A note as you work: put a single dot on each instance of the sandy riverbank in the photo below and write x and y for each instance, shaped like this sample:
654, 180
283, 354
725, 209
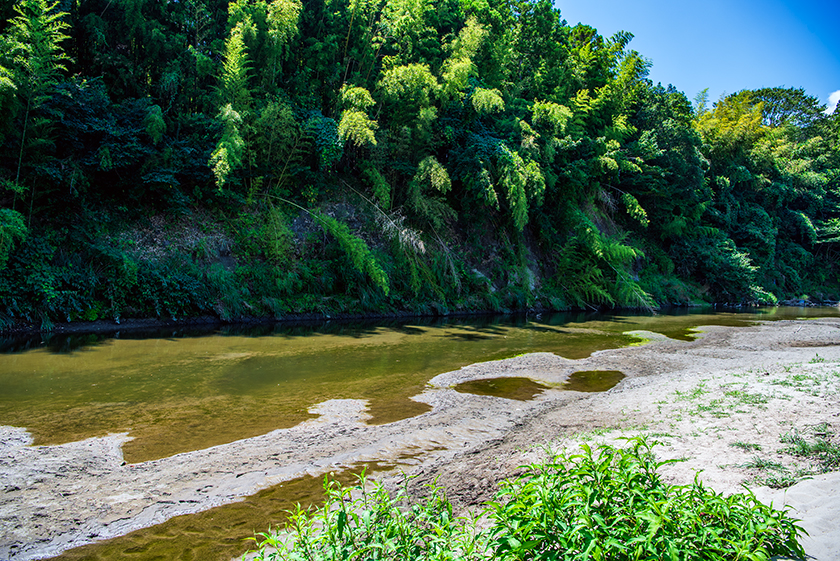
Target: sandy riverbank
733, 385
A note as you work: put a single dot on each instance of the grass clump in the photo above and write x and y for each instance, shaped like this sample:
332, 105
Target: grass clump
748, 398
606, 503
746, 446
819, 449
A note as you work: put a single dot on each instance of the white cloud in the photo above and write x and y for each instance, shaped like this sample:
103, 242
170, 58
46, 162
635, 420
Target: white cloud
833, 99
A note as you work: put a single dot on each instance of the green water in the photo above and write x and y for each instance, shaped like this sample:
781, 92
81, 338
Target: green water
217, 534
522, 389
593, 380
183, 393
186, 393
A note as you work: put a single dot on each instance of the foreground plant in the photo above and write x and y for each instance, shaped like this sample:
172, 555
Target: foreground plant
612, 504
604, 504
373, 526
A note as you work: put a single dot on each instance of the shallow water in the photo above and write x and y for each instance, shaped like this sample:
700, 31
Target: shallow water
593, 380
522, 389
220, 533
179, 393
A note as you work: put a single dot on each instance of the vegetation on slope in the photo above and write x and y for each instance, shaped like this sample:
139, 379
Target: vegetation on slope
255, 158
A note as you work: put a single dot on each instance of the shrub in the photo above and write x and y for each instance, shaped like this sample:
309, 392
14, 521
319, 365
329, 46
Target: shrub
605, 504
612, 504
373, 527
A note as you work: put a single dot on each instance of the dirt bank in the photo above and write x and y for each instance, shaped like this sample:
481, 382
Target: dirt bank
733, 385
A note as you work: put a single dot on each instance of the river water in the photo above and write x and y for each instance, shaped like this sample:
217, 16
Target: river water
179, 391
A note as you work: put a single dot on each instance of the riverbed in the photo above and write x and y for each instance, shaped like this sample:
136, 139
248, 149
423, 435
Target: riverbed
74, 491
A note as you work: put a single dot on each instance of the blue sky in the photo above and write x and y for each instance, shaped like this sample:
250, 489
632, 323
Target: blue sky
726, 46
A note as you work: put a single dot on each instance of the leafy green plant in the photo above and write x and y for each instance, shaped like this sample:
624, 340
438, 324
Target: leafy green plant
611, 503
373, 526
607, 503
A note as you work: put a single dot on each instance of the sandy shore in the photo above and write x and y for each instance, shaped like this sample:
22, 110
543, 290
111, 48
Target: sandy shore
732, 386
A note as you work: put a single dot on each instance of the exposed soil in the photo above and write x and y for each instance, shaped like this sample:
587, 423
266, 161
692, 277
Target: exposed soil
732, 385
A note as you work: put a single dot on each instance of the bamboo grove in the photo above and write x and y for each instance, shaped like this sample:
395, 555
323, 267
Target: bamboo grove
259, 158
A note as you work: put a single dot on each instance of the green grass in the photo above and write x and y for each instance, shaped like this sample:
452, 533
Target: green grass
695, 393
746, 446
760, 463
748, 398
777, 481
819, 449
602, 503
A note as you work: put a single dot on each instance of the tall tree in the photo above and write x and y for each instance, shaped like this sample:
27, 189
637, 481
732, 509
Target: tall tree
36, 58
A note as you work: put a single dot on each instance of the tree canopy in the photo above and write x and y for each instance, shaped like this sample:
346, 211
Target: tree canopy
461, 154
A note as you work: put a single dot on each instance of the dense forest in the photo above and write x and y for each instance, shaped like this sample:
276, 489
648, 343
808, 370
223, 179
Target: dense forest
254, 158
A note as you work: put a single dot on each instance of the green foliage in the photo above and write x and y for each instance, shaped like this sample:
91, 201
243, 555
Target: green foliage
326, 134
283, 18
227, 156
552, 115
12, 230
154, 124
356, 98
459, 67
356, 127
469, 123
487, 101
610, 503
373, 526
356, 250
379, 186
634, 209
431, 174
32, 50
233, 82
279, 144
413, 82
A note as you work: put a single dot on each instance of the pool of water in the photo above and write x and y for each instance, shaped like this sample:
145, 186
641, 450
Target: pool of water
593, 380
522, 389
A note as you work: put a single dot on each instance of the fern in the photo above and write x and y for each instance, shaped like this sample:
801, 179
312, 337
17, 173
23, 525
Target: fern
12, 230
430, 173
379, 186
356, 250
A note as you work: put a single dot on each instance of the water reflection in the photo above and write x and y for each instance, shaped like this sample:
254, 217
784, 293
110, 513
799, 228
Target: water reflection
521, 389
593, 380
